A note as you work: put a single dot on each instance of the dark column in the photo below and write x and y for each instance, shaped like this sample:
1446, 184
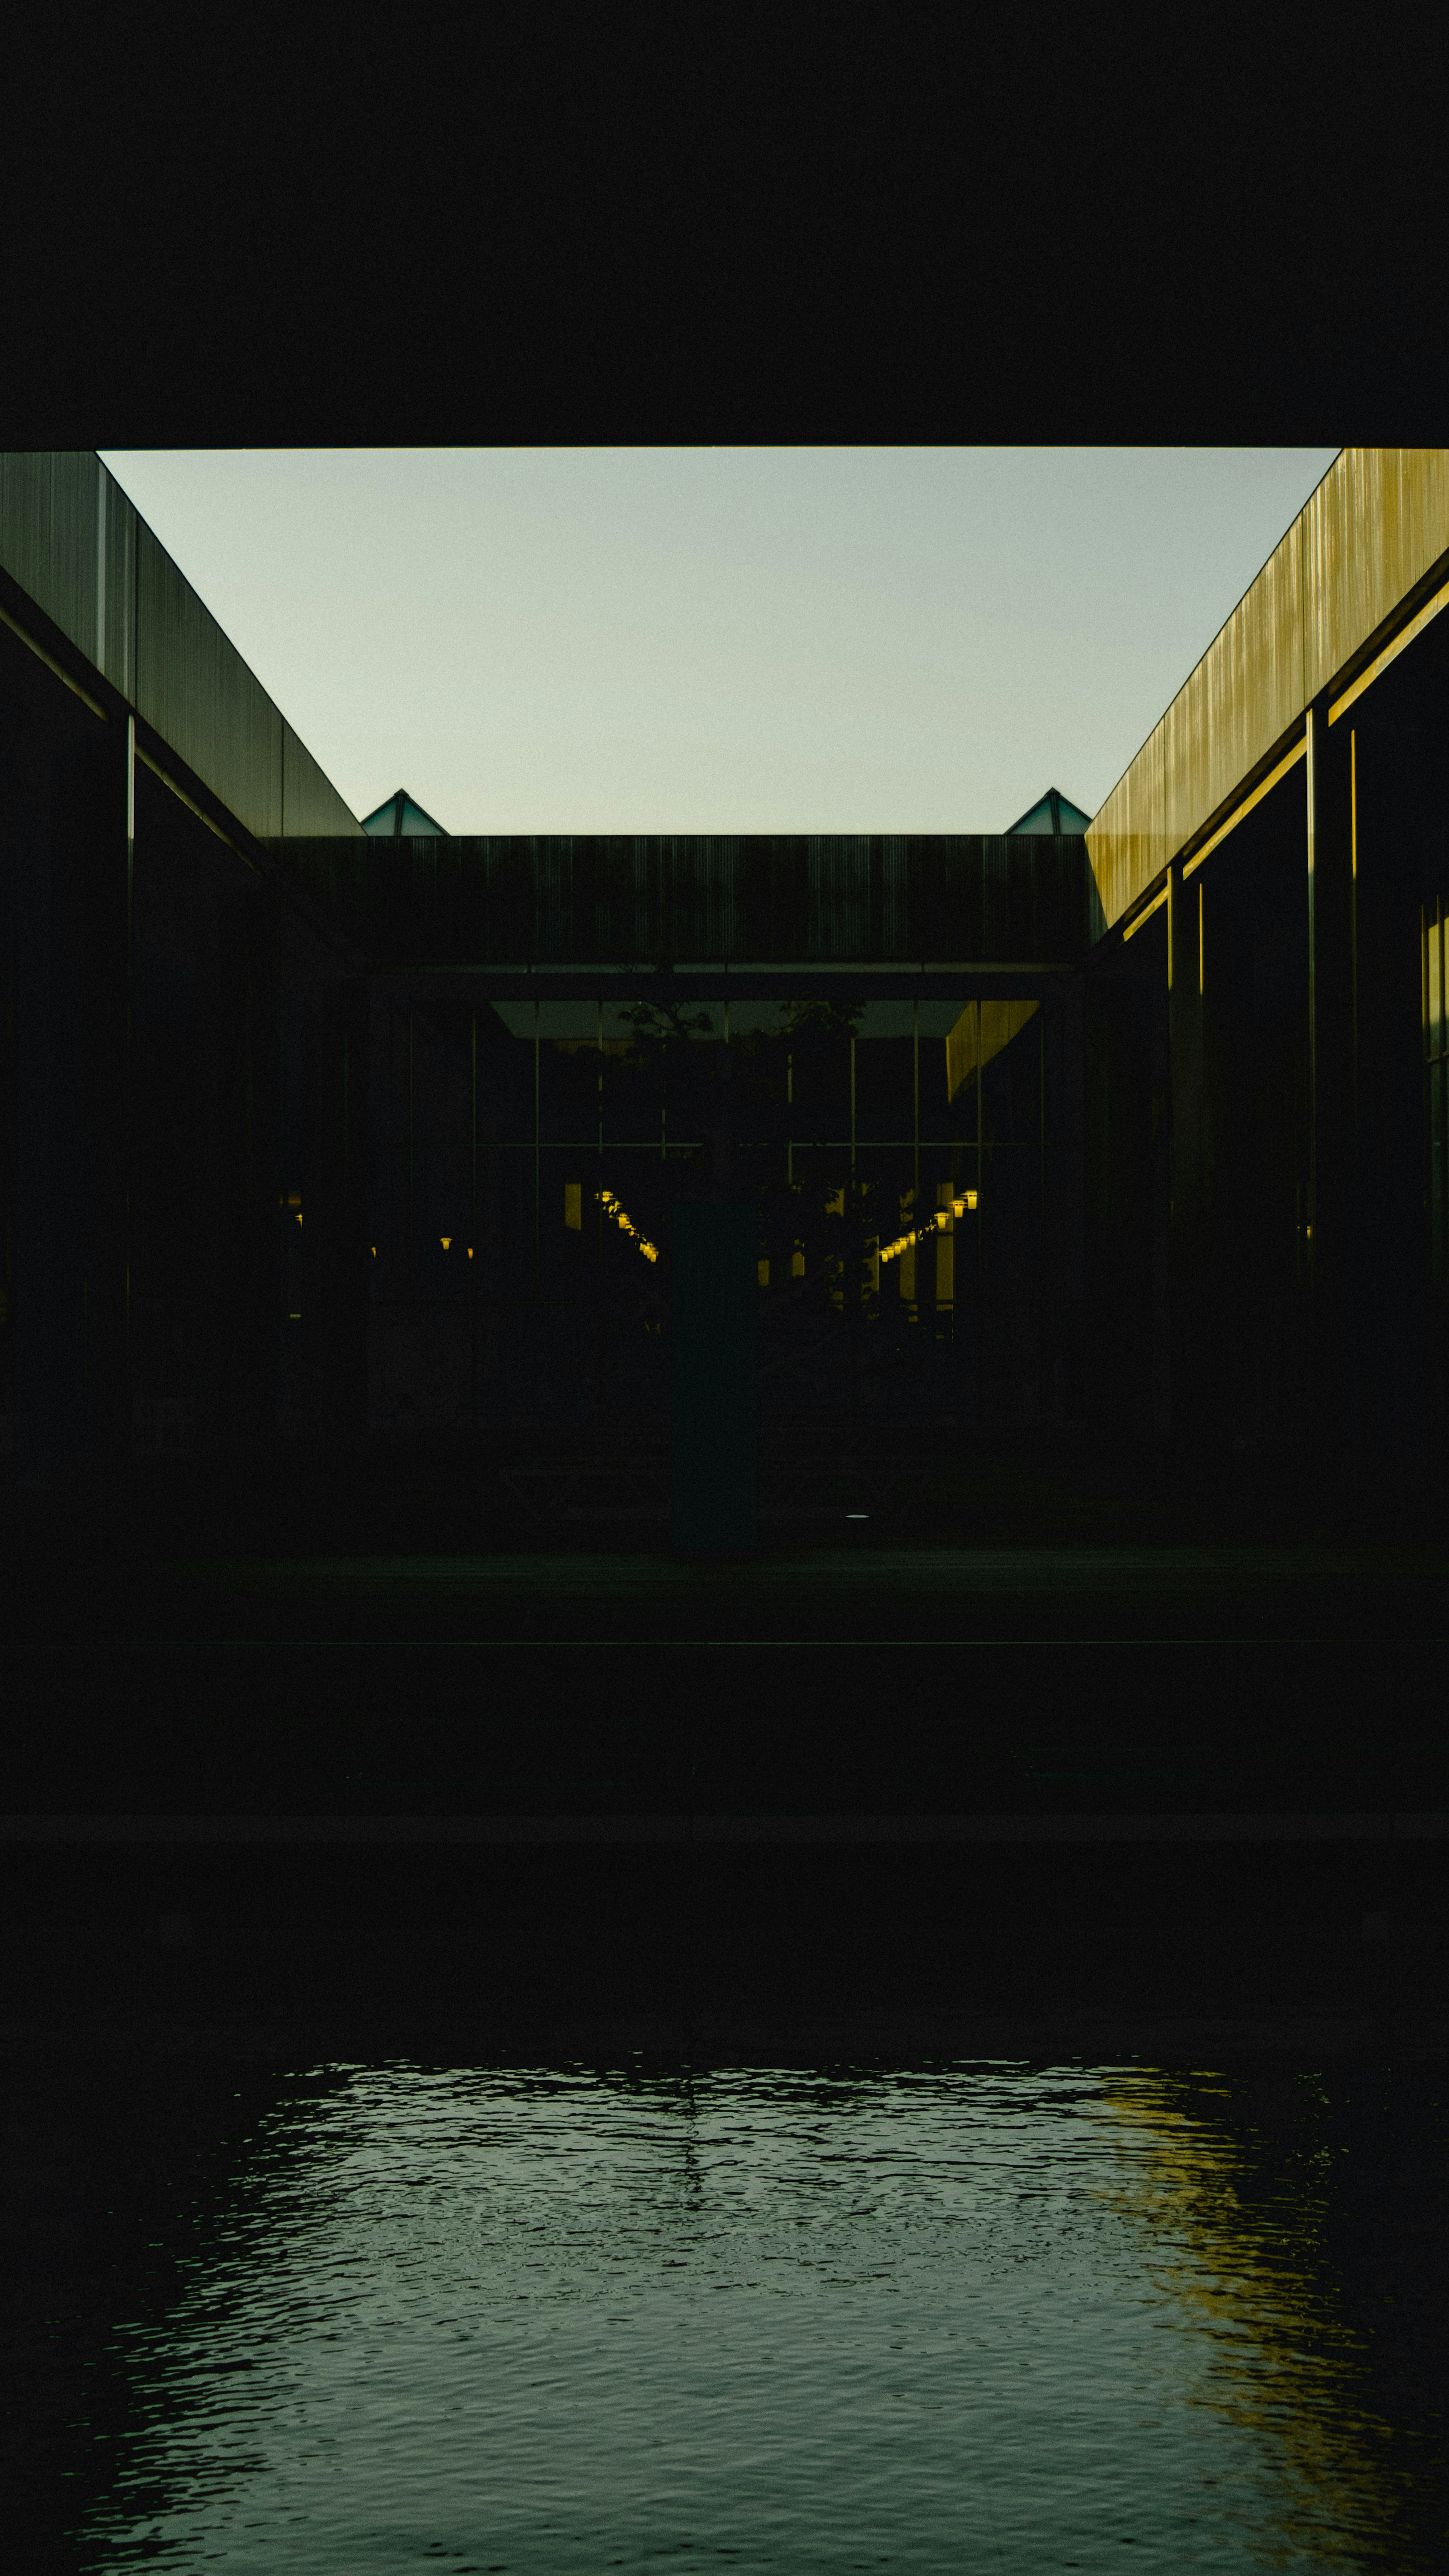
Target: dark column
1191, 1375
1330, 1217
713, 1326
1159, 1210
51, 1172
1396, 729
259, 1299
1230, 1283
244, 1293
983, 1211
1119, 1112
1068, 1193
66, 789
337, 1251
106, 819
323, 1079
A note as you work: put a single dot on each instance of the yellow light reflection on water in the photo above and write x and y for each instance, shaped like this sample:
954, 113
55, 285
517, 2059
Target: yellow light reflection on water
977, 2315
1247, 2265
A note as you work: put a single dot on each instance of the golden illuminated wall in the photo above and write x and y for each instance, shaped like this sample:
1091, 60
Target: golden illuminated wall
1378, 522
997, 1022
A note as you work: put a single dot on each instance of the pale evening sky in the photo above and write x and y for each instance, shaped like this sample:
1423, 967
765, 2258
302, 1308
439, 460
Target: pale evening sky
721, 639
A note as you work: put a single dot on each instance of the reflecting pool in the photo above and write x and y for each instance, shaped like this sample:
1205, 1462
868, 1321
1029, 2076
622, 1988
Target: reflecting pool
982, 2317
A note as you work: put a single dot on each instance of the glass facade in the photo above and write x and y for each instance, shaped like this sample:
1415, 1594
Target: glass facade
526, 1157
1436, 1074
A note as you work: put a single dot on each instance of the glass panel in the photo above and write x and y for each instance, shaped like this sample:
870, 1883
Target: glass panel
945, 1244
1437, 1142
442, 1221
829, 1117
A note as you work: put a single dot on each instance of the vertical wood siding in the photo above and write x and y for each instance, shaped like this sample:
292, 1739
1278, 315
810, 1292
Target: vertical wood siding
1377, 525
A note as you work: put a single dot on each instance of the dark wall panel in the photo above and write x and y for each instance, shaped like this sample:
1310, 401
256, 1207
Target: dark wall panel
310, 803
49, 536
197, 692
698, 899
73, 542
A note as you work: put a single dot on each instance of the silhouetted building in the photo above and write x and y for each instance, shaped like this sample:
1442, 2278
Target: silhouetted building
332, 1130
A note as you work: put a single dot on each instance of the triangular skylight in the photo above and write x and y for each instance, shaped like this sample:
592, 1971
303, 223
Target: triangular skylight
1054, 813
401, 818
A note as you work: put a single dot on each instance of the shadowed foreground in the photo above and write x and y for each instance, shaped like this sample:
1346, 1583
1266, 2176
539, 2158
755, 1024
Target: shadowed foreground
363, 1779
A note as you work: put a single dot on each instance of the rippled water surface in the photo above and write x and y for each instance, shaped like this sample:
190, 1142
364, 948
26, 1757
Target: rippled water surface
981, 2318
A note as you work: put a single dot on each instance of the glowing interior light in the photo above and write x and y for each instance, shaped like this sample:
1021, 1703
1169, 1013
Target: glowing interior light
933, 1225
374, 1252
612, 1208
445, 1240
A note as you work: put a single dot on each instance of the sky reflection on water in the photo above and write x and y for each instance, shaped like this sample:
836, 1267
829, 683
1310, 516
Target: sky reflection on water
984, 2317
